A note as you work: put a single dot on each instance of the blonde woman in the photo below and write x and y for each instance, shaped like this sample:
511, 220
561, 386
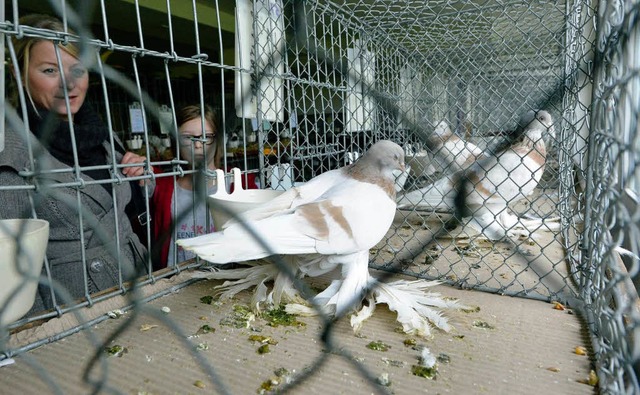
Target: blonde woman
82, 241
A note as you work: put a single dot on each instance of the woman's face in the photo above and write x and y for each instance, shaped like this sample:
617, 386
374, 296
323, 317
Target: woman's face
45, 79
192, 142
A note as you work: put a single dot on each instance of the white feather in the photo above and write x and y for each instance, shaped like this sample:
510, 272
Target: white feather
359, 317
427, 359
414, 306
257, 275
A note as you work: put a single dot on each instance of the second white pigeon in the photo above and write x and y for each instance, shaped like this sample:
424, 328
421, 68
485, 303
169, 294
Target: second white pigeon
494, 182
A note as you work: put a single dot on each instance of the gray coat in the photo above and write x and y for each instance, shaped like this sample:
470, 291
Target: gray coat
69, 239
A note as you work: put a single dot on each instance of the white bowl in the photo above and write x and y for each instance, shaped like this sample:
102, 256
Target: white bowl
23, 243
237, 202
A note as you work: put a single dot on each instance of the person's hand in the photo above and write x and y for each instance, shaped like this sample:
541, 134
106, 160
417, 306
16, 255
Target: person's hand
133, 171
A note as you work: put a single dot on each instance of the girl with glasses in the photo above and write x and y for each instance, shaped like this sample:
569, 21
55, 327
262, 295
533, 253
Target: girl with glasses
179, 208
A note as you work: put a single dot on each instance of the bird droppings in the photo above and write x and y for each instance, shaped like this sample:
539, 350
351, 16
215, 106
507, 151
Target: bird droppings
426, 358
393, 362
474, 309
383, 379
378, 346
409, 342
240, 317
165, 309
430, 258
205, 329
116, 350
115, 314
443, 358
263, 339
482, 325
202, 347
282, 372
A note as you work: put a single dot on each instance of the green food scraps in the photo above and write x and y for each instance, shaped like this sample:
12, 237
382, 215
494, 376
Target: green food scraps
423, 371
206, 299
378, 346
268, 385
277, 317
239, 318
199, 384
264, 349
263, 339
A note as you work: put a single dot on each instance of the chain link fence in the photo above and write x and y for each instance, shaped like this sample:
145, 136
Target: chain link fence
303, 87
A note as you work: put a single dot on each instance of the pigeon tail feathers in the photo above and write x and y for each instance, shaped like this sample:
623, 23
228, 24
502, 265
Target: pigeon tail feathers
237, 244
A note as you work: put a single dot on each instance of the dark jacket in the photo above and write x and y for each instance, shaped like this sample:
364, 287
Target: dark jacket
71, 234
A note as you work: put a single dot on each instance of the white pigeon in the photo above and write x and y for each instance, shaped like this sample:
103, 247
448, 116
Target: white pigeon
495, 181
340, 212
328, 223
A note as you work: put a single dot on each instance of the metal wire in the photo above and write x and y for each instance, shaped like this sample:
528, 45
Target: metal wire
327, 79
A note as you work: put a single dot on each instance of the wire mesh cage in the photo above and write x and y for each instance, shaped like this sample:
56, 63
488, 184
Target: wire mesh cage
518, 124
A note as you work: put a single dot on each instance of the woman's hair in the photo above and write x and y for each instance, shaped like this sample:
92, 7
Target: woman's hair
23, 45
190, 112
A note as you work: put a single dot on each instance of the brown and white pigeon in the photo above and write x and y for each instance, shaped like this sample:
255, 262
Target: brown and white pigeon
340, 212
452, 153
327, 223
334, 219
494, 182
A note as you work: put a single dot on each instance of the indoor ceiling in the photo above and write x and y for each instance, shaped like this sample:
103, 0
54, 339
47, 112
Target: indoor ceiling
122, 24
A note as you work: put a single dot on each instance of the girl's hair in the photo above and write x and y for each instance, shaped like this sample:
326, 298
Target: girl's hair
190, 112
23, 45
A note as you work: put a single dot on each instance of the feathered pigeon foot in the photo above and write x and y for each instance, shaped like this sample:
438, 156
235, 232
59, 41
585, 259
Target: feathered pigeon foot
417, 310
257, 274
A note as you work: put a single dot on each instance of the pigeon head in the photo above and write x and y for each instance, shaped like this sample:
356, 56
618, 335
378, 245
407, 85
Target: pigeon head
386, 156
537, 124
442, 129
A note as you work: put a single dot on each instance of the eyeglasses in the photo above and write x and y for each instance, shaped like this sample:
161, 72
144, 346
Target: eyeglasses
207, 139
